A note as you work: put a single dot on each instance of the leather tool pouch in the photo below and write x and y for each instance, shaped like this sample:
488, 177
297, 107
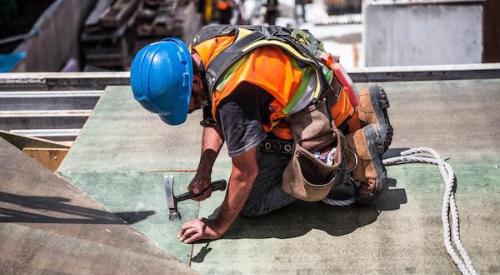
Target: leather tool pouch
306, 177
312, 127
309, 179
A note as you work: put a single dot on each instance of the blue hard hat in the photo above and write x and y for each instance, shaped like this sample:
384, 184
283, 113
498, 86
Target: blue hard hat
161, 77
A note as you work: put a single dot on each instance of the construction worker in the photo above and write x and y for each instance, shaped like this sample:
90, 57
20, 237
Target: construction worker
274, 96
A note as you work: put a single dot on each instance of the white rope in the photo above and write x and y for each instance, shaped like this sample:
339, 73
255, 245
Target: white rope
333, 202
451, 232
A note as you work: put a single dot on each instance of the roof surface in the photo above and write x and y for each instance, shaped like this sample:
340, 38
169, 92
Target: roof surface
123, 152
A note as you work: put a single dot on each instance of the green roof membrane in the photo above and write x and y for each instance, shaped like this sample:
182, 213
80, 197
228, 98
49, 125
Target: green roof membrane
401, 233
122, 136
121, 157
123, 152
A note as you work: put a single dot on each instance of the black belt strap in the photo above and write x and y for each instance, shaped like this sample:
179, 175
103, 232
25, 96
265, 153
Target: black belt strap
276, 146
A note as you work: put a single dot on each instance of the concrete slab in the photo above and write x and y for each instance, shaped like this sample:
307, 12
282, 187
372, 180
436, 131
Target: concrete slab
49, 226
429, 32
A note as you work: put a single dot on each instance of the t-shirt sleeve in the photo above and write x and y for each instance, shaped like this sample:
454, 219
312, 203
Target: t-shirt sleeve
241, 116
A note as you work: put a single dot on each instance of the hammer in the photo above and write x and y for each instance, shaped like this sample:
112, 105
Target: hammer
172, 200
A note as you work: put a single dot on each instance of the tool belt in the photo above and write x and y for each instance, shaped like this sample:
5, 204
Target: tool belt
306, 177
276, 146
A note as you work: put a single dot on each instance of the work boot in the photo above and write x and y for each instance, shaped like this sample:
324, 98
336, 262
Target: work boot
365, 163
372, 110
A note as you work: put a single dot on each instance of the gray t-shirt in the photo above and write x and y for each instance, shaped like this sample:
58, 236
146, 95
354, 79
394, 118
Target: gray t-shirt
241, 116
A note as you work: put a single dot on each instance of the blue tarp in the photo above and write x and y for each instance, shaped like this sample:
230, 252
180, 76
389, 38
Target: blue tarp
9, 61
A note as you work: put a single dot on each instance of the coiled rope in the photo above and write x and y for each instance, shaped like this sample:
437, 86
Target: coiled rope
451, 232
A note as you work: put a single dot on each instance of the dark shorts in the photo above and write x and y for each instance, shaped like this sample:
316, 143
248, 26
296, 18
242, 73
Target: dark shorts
266, 194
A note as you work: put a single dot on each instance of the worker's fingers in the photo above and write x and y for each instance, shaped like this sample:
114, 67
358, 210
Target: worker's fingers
196, 189
181, 232
188, 224
193, 238
199, 186
188, 233
184, 227
206, 193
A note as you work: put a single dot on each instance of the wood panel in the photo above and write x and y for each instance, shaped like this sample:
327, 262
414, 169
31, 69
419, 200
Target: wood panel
48, 157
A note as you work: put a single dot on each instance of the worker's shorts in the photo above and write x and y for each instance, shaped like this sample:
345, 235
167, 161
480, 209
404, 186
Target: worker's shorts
266, 194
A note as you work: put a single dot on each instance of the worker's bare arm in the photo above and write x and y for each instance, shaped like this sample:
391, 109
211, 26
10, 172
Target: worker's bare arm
212, 141
243, 174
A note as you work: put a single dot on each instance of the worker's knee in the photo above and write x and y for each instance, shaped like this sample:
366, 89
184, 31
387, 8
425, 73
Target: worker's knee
253, 210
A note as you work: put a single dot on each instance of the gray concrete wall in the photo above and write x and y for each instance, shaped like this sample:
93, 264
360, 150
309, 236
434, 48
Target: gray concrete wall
57, 36
423, 33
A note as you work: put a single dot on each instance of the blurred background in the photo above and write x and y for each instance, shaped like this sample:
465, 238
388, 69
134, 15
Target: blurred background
104, 35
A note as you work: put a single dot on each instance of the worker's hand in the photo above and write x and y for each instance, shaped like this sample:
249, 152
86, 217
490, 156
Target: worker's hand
199, 229
200, 185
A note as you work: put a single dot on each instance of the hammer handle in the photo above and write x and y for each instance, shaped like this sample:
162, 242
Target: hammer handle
215, 185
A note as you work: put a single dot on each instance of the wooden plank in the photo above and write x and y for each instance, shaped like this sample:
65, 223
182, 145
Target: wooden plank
48, 157
21, 141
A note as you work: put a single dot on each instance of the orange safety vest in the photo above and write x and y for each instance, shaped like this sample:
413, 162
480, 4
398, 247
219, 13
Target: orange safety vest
273, 70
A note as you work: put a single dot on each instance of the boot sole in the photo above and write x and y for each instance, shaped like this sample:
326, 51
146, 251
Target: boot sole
373, 146
377, 94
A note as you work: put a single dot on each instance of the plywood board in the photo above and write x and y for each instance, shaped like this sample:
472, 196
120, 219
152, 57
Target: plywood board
21, 141
48, 157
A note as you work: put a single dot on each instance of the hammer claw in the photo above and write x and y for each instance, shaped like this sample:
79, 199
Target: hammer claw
172, 199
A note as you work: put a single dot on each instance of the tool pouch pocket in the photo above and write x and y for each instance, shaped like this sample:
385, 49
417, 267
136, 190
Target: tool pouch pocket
310, 179
312, 127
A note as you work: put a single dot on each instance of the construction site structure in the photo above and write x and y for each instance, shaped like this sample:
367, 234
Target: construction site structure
337, 7
115, 30
56, 106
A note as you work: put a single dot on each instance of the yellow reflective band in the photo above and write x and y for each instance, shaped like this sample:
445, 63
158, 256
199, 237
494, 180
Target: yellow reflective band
242, 33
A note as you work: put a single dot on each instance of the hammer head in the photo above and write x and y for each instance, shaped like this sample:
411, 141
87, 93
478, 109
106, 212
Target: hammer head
171, 200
